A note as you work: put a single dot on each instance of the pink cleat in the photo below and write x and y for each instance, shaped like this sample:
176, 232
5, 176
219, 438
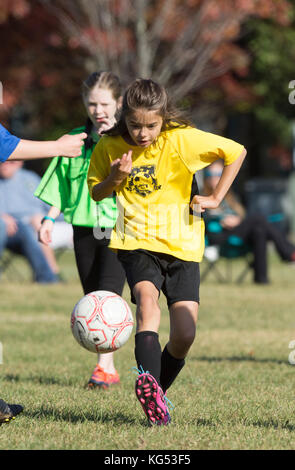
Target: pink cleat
152, 399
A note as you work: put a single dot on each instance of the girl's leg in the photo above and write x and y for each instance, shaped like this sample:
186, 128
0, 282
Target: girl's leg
106, 361
85, 250
98, 266
148, 354
183, 320
147, 347
99, 269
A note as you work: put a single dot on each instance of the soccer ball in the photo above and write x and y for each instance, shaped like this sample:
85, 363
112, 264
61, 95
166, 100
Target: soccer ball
101, 321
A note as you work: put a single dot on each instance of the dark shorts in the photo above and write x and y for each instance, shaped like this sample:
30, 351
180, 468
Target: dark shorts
178, 280
98, 266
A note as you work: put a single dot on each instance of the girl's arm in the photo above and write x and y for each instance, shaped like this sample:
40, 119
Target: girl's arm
45, 231
120, 169
67, 146
228, 175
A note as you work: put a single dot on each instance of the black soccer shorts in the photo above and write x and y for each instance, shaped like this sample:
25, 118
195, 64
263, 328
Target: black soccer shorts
179, 280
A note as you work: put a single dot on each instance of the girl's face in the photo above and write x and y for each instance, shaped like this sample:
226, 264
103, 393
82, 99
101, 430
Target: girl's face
101, 107
144, 126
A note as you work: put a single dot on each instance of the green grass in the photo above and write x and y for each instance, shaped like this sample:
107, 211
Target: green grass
236, 391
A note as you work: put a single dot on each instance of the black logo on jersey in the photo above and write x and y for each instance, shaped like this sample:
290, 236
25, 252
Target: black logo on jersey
142, 180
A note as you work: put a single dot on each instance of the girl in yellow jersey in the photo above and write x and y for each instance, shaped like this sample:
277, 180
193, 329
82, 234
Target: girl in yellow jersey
149, 158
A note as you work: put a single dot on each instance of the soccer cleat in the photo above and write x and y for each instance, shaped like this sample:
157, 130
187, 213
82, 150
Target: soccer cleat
102, 379
152, 399
8, 412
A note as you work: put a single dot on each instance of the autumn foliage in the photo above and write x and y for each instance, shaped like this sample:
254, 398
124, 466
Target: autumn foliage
50, 46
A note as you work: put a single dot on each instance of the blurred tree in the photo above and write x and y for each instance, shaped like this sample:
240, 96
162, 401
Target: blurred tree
41, 79
182, 44
261, 107
193, 47
273, 56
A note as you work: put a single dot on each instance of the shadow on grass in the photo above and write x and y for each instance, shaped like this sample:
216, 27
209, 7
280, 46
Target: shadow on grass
240, 359
271, 423
40, 379
75, 417
104, 417
204, 423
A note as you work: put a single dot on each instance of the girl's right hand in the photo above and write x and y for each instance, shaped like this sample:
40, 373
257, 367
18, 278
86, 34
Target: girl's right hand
121, 168
201, 203
106, 125
45, 232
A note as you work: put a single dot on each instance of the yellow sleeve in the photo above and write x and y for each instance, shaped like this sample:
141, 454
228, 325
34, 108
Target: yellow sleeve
198, 149
99, 167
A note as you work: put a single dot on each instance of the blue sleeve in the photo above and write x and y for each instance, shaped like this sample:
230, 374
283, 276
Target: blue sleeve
8, 143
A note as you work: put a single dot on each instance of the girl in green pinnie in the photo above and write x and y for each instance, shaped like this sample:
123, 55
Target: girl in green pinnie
64, 187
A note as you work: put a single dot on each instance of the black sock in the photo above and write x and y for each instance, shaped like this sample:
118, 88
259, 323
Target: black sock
170, 368
148, 353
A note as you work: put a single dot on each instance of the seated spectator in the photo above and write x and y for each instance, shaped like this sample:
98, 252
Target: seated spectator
20, 218
231, 219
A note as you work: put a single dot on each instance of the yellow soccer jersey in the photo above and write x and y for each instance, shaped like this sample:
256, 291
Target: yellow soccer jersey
154, 200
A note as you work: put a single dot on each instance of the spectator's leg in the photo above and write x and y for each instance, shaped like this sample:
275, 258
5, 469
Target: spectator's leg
252, 231
285, 249
26, 239
50, 257
3, 236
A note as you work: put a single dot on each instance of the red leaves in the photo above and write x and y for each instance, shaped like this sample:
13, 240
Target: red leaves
17, 8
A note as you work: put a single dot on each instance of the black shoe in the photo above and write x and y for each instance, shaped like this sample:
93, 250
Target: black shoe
261, 281
8, 412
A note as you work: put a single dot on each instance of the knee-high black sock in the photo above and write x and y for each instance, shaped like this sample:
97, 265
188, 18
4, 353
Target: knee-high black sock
170, 368
148, 353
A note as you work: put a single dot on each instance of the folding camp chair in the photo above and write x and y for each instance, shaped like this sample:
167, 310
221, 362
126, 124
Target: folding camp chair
10, 269
234, 248
15, 267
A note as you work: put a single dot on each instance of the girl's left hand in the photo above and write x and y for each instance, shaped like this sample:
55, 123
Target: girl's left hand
45, 232
201, 203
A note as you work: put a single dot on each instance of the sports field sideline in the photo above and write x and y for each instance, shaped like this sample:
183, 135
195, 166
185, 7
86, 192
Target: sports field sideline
237, 391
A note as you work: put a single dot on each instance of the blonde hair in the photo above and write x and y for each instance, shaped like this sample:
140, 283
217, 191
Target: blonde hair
105, 80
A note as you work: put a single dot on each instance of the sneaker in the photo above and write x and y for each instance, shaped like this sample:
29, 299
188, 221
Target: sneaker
8, 412
102, 379
152, 399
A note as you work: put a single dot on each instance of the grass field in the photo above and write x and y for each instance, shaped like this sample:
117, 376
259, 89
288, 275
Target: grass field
236, 391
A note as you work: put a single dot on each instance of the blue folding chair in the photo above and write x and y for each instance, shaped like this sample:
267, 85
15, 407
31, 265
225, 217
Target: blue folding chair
231, 249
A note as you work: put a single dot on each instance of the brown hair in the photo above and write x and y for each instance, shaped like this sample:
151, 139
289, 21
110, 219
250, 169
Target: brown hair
147, 94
